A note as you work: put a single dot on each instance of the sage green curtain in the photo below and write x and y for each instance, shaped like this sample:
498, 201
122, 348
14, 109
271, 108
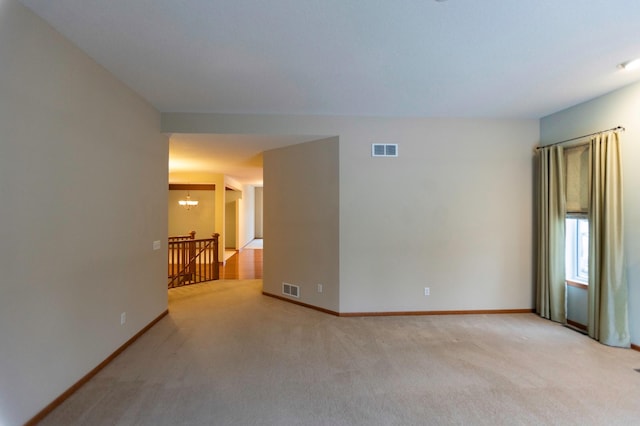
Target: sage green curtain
608, 306
551, 286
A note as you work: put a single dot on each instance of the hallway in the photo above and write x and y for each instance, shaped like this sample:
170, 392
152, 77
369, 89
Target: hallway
246, 264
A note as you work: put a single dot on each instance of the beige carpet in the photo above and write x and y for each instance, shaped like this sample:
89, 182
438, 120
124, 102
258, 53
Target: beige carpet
226, 355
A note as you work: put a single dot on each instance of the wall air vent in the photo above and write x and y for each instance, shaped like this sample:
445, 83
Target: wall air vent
291, 290
384, 150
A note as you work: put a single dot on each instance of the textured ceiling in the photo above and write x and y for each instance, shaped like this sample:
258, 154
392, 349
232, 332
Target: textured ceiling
457, 58
504, 58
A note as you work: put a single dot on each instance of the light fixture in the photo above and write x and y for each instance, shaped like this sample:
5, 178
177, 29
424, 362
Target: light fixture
188, 203
630, 65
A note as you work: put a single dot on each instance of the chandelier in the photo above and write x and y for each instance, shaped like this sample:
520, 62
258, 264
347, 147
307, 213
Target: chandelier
188, 203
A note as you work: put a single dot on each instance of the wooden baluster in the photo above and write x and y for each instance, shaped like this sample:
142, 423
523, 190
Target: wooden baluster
192, 261
216, 261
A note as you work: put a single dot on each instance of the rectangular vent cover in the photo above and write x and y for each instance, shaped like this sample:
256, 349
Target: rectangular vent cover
384, 150
291, 290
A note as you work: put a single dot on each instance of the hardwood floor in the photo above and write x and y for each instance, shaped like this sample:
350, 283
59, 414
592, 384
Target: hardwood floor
244, 265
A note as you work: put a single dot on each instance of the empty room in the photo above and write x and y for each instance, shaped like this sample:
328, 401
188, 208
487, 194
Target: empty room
418, 212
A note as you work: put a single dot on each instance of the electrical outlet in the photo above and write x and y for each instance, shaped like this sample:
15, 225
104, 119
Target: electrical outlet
319, 288
123, 318
427, 291
156, 245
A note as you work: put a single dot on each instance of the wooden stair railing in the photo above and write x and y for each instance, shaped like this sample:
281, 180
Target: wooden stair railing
190, 236
192, 261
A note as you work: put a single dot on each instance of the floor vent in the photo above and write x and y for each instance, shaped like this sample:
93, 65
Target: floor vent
384, 150
291, 290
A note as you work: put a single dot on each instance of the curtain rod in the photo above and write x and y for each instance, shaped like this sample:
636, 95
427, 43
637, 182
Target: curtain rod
615, 129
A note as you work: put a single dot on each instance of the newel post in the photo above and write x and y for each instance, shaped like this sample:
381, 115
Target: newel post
216, 259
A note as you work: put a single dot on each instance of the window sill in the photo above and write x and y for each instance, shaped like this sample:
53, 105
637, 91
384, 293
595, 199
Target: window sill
577, 284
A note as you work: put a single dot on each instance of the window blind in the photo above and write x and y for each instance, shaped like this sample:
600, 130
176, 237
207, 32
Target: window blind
577, 180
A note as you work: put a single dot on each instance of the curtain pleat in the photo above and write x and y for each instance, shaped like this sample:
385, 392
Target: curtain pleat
608, 298
550, 286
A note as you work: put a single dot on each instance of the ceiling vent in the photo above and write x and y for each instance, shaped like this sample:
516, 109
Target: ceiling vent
384, 150
291, 290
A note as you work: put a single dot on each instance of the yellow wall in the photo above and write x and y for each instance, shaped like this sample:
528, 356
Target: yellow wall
200, 219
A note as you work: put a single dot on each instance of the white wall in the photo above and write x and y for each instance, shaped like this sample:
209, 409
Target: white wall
453, 212
617, 108
245, 195
83, 190
301, 218
259, 212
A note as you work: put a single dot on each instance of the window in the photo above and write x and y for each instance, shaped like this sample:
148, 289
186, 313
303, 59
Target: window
577, 249
577, 222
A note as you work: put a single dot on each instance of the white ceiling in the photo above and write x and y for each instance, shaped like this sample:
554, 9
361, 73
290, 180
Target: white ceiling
457, 58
